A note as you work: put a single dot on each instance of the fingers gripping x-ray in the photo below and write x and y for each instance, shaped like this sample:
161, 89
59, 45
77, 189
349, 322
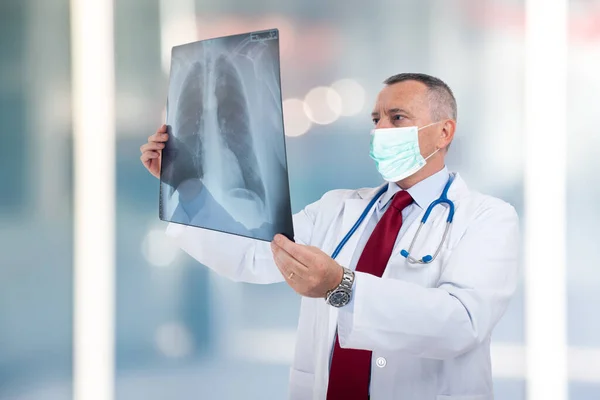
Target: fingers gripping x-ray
226, 145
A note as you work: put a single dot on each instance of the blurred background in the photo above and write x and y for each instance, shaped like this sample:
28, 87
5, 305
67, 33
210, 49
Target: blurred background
183, 332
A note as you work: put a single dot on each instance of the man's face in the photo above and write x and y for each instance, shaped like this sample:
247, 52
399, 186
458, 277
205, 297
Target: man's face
407, 104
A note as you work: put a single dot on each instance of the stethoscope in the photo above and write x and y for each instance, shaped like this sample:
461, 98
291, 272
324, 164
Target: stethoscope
443, 199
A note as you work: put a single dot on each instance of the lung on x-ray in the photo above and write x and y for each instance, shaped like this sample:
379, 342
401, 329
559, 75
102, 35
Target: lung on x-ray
224, 166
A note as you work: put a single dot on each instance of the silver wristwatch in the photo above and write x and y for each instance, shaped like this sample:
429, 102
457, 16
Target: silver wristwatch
340, 296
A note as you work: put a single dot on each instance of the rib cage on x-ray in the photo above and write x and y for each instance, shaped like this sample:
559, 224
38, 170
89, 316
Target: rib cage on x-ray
213, 117
189, 114
234, 123
232, 119
224, 112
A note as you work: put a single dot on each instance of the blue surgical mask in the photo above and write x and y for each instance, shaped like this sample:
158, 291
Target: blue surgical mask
396, 152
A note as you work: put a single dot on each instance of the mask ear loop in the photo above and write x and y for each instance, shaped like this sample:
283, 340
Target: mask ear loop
431, 124
427, 126
431, 155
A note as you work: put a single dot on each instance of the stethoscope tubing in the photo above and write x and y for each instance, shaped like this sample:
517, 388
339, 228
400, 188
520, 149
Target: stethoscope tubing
443, 199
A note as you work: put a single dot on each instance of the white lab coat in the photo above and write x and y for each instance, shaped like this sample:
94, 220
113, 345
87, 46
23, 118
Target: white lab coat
428, 327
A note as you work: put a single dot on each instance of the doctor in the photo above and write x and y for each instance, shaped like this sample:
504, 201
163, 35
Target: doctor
400, 293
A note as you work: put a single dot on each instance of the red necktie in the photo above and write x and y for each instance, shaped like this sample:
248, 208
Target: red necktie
350, 371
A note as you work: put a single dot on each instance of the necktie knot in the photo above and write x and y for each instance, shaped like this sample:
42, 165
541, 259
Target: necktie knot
401, 200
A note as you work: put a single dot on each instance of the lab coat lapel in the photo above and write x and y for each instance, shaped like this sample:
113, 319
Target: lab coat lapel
351, 212
353, 208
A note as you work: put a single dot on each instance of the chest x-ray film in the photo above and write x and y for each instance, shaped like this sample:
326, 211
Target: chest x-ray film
224, 166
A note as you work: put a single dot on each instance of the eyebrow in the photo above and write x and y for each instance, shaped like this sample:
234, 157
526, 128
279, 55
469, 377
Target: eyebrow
392, 111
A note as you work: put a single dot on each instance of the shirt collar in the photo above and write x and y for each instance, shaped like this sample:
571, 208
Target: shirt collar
423, 193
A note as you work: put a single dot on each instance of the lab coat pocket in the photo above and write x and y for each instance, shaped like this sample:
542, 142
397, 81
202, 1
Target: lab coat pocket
426, 275
468, 397
301, 384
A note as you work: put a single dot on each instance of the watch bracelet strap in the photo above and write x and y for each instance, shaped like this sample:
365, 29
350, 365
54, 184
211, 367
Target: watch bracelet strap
344, 283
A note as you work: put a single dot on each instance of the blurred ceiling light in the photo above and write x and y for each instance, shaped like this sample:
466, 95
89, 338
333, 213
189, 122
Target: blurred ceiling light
158, 249
352, 95
323, 105
174, 340
294, 118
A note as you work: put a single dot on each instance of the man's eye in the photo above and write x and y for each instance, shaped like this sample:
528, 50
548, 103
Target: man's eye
375, 121
397, 117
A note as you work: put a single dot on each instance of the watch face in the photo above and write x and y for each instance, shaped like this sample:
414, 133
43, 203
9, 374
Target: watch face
339, 298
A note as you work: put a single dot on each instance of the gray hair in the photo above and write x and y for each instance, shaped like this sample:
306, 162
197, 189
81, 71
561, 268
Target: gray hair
441, 99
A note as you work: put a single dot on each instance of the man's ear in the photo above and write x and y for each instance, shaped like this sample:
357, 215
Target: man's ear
447, 134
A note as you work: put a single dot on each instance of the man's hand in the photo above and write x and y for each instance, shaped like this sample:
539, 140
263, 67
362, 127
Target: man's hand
152, 151
308, 270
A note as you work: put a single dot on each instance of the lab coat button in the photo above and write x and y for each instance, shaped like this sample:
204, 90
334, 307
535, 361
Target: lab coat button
381, 362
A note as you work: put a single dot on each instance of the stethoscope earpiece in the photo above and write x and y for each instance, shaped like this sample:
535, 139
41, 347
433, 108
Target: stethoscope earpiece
425, 260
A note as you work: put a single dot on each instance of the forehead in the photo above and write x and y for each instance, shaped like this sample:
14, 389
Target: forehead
408, 95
